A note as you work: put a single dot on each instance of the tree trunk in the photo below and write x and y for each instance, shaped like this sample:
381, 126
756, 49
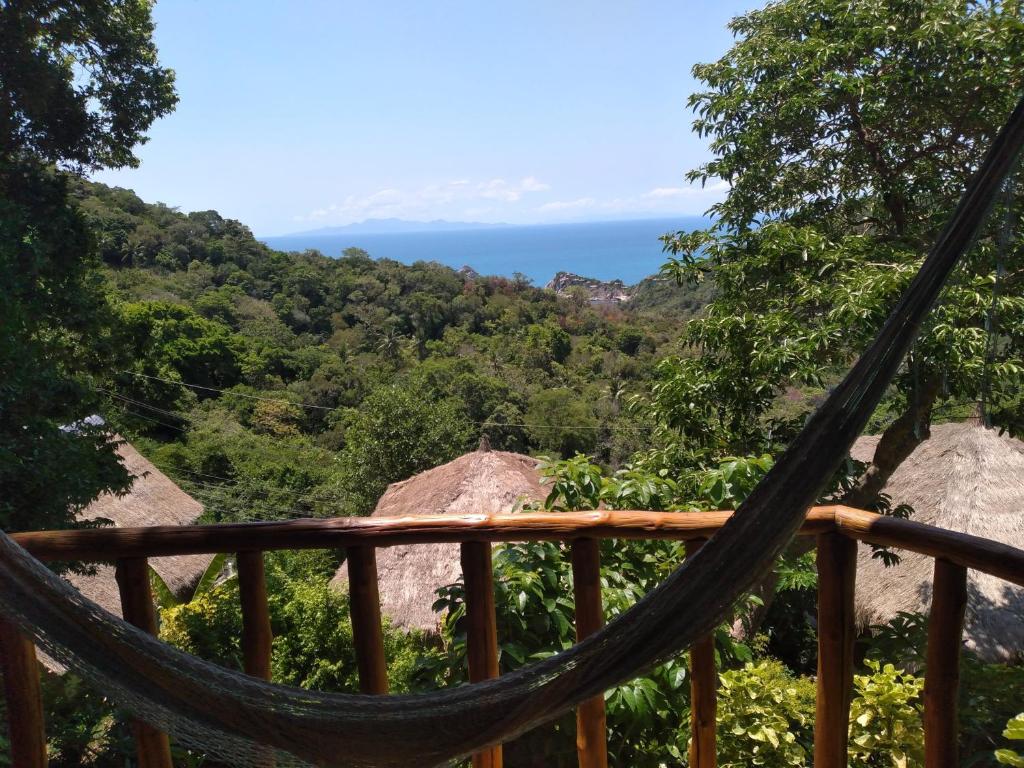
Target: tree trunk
898, 441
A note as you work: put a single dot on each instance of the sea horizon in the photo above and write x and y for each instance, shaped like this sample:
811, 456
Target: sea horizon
627, 250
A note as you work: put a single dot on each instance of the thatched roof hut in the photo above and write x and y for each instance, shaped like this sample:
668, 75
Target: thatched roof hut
965, 478
153, 499
481, 482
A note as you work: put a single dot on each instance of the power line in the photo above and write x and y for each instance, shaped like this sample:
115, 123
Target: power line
238, 481
314, 406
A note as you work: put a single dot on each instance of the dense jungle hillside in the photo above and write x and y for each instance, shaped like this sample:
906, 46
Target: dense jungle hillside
271, 383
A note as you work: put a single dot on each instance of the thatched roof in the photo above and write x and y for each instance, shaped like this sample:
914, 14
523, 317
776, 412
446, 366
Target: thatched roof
965, 478
480, 482
153, 499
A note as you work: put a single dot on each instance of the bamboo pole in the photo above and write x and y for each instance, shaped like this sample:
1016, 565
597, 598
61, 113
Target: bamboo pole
481, 628
591, 731
25, 724
837, 571
942, 672
364, 609
703, 696
152, 746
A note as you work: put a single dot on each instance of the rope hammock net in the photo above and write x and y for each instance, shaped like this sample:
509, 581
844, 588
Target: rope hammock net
242, 721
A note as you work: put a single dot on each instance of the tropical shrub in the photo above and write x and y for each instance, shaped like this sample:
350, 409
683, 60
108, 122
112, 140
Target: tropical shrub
765, 717
313, 645
1014, 730
885, 718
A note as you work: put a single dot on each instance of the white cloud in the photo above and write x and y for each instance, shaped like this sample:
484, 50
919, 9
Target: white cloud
568, 205
659, 201
531, 184
694, 190
510, 192
430, 201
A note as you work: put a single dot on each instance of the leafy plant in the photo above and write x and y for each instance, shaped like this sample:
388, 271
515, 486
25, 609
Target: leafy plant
765, 717
165, 598
1015, 731
885, 718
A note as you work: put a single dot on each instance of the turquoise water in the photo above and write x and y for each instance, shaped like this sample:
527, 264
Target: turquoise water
607, 250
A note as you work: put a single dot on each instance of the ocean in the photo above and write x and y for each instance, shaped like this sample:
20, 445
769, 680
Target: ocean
607, 250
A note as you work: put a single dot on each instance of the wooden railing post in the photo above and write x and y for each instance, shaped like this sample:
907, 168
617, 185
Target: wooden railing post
481, 628
942, 671
24, 701
364, 608
837, 572
257, 637
703, 695
151, 745
591, 735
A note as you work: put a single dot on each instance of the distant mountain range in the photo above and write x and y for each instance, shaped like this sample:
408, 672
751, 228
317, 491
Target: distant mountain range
395, 226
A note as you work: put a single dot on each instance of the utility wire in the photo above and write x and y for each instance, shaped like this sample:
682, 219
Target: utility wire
314, 406
240, 483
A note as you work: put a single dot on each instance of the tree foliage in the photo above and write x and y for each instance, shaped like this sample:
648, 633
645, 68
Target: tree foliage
81, 81
80, 86
846, 134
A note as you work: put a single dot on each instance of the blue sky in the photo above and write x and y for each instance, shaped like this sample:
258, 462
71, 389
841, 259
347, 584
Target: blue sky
300, 115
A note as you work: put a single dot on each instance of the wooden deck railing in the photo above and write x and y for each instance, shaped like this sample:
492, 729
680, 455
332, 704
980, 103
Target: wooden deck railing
837, 529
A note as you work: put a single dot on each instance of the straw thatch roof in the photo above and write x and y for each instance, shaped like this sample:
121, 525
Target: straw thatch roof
153, 499
964, 478
482, 482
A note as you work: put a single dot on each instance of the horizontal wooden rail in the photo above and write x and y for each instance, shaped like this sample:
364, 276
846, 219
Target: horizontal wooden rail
107, 544
983, 555
101, 544
835, 527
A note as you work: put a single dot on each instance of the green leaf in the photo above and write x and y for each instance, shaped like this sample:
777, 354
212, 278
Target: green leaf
161, 592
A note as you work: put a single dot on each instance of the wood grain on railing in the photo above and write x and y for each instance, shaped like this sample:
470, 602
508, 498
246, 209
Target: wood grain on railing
837, 570
984, 555
481, 628
703, 696
101, 544
26, 729
132, 574
257, 638
364, 610
942, 670
591, 731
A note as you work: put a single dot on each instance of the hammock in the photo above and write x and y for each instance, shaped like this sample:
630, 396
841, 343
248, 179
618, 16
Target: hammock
236, 718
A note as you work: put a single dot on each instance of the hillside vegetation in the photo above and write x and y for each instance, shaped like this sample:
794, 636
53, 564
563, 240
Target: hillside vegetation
271, 384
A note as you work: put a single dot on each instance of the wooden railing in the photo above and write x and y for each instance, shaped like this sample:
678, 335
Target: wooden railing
837, 531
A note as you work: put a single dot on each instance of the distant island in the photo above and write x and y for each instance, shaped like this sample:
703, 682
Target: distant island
395, 226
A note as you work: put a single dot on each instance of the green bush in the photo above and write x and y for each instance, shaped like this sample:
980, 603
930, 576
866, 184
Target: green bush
990, 694
313, 645
1014, 730
885, 718
765, 717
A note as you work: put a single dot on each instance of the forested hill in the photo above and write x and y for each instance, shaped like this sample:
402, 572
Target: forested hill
270, 383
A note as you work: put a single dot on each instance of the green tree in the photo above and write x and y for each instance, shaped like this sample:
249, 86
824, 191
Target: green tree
559, 421
80, 85
846, 133
170, 346
394, 434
